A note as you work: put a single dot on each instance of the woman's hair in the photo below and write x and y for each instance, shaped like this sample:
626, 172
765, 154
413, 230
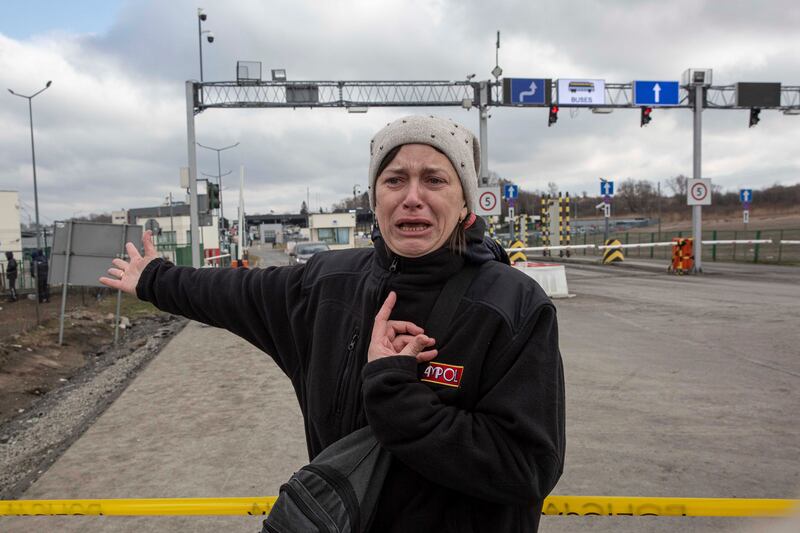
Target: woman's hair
388, 158
457, 242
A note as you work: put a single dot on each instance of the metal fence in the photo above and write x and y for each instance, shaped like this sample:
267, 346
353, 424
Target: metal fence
775, 253
25, 282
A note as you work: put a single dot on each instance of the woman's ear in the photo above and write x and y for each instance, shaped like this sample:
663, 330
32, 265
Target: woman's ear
463, 215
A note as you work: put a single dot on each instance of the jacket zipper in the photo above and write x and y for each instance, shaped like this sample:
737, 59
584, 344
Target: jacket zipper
344, 377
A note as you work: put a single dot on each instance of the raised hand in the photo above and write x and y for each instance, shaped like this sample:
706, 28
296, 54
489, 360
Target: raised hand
397, 337
125, 274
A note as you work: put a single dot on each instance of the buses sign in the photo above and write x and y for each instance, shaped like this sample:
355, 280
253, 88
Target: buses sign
581, 92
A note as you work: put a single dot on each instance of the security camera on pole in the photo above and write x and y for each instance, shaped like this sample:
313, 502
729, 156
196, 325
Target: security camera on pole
201, 17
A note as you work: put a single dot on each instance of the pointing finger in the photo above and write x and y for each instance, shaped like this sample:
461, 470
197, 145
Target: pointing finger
149, 247
382, 318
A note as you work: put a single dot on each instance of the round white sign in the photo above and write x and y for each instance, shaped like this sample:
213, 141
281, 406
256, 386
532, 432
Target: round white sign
488, 201
699, 191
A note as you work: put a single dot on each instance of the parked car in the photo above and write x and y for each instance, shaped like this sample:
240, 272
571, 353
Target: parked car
303, 251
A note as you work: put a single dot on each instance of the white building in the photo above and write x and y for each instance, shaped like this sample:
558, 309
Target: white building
119, 217
336, 229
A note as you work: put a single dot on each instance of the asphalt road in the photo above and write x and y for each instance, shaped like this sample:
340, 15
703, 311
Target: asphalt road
681, 386
676, 386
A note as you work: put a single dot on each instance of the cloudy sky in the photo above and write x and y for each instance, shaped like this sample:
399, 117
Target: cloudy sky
111, 130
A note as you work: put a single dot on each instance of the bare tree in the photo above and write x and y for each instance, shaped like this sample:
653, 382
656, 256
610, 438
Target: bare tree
679, 185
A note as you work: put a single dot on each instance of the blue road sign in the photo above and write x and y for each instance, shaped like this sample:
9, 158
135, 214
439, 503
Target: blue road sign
745, 195
528, 91
510, 192
607, 188
655, 93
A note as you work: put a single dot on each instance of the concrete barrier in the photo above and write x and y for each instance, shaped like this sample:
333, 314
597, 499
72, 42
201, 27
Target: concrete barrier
552, 278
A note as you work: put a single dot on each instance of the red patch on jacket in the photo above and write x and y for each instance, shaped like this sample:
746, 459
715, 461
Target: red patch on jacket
443, 374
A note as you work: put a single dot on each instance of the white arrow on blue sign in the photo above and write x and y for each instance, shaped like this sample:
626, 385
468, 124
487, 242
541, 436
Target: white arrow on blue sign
607, 188
528, 91
656, 93
745, 195
510, 192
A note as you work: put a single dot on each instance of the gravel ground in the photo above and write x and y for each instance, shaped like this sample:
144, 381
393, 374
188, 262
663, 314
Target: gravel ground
32, 441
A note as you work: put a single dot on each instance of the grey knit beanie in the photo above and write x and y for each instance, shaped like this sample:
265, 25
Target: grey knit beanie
458, 143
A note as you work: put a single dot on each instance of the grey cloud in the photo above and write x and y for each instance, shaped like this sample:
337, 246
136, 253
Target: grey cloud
117, 138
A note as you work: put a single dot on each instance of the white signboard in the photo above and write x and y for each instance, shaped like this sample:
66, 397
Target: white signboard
699, 192
184, 177
488, 201
581, 92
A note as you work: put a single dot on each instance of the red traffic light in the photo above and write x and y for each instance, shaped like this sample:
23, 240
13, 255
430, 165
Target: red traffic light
553, 117
646, 118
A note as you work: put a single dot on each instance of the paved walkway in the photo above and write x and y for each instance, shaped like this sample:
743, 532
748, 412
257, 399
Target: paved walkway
210, 416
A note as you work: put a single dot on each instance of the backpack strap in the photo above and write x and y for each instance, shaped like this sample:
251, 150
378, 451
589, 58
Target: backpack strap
444, 309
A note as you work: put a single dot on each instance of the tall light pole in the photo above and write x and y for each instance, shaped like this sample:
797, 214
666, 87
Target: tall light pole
201, 17
219, 172
33, 158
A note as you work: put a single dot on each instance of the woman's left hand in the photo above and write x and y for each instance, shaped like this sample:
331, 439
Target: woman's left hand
398, 337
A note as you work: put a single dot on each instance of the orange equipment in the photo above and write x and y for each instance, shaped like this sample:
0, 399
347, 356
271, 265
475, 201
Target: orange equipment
682, 255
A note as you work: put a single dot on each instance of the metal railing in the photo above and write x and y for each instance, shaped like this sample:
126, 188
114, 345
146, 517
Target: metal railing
782, 250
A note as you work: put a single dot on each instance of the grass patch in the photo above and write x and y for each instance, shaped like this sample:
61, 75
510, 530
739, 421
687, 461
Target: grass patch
131, 306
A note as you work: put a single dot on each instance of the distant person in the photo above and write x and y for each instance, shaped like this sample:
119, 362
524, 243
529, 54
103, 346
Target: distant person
11, 276
474, 419
40, 270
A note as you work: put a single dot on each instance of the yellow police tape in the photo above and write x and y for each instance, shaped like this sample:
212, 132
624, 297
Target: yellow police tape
553, 505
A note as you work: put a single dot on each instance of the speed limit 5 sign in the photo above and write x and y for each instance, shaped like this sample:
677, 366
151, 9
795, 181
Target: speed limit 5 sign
699, 192
488, 201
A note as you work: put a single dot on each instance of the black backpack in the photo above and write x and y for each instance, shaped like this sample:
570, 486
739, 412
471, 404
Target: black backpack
338, 492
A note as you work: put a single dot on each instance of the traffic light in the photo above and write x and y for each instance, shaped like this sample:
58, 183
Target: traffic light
213, 196
646, 118
754, 116
553, 118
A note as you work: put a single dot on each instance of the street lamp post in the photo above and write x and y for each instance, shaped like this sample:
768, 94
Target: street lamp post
33, 158
219, 174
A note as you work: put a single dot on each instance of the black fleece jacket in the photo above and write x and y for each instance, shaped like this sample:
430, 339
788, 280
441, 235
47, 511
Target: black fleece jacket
479, 456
